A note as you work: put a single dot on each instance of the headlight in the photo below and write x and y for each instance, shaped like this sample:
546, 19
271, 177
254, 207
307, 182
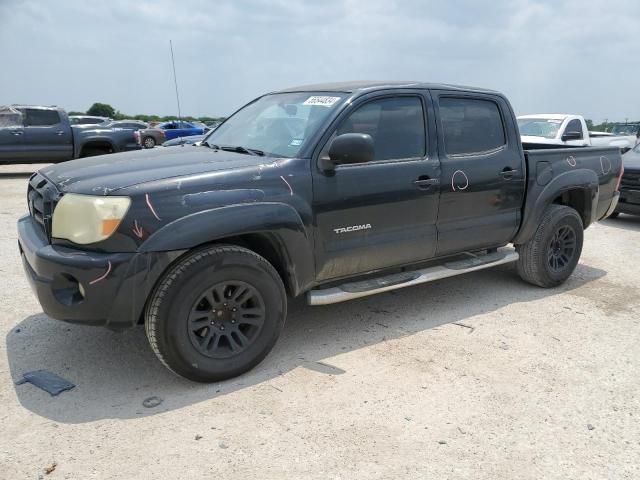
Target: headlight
87, 219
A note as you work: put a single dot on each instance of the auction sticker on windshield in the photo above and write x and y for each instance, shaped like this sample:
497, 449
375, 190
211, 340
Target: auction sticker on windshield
321, 100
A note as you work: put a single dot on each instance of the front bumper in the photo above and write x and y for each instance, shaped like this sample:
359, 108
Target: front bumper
84, 287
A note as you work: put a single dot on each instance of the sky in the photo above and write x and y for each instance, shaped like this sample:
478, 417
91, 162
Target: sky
562, 56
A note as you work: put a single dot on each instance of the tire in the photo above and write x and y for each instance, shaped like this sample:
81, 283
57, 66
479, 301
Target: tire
614, 215
203, 327
551, 255
148, 142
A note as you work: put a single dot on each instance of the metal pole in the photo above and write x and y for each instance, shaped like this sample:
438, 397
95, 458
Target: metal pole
175, 79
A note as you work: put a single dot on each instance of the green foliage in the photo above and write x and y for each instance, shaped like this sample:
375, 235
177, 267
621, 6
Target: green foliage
106, 110
102, 110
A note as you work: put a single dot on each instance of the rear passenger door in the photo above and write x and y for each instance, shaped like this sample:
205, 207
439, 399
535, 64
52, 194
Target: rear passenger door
482, 186
47, 136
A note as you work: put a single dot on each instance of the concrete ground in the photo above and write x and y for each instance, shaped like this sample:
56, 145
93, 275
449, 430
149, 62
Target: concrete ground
480, 376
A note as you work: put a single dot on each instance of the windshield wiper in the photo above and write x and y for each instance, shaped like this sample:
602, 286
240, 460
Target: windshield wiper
210, 145
241, 149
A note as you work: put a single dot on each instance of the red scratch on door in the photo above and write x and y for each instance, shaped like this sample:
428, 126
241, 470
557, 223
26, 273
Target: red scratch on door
146, 196
99, 279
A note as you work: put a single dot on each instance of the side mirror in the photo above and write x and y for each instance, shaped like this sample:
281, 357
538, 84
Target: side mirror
350, 148
571, 136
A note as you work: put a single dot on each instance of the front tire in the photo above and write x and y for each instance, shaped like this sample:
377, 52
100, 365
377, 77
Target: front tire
551, 255
216, 314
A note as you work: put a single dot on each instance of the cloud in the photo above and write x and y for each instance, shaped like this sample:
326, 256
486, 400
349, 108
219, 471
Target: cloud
560, 56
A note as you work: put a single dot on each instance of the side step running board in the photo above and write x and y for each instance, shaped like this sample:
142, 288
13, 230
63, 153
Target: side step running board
353, 290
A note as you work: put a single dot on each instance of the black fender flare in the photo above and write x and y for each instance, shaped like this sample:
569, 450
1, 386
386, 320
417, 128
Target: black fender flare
584, 180
88, 140
280, 221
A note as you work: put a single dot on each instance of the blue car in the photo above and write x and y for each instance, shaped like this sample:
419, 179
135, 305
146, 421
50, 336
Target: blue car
150, 137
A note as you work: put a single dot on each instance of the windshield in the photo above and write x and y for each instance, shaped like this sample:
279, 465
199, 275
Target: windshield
625, 129
539, 127
277, 124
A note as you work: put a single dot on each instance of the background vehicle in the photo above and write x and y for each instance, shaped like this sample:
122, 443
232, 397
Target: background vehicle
190, 140
157, 135
336, 191
44, 134
630, 185
88, 120
626, 129
127, 124
569, 130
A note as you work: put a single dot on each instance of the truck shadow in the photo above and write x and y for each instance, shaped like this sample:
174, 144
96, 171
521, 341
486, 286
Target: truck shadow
115, 372
625, 222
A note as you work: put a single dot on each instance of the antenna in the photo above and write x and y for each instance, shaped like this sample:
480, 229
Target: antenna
175, 79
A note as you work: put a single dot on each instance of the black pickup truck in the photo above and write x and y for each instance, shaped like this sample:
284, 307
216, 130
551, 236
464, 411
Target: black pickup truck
335, 191
35, 134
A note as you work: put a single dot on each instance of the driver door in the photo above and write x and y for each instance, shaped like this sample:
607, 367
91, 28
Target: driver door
383, 213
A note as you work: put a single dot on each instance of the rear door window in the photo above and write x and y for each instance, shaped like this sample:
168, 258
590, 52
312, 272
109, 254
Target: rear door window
471, 125
41, 118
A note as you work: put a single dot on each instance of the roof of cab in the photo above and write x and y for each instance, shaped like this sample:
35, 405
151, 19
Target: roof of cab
355, 86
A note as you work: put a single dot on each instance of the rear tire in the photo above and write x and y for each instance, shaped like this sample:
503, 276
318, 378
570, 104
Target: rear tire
148, 142
551, 255
216, 314
614, 215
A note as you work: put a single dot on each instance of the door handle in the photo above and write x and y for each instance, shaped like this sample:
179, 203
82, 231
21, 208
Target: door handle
508, 172
16, 132
425, 182
60, 132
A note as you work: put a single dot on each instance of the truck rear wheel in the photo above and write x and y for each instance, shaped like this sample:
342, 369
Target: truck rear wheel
551, 255
216, 314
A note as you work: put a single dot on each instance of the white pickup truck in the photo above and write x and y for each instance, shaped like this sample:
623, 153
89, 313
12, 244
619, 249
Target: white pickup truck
569, 130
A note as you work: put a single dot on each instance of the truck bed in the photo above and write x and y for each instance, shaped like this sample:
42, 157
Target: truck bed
597, 167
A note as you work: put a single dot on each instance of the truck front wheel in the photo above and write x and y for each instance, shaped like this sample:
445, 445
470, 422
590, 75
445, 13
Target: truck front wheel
551, 255
216, 314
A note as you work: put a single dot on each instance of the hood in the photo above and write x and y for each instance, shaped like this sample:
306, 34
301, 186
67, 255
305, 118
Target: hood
105, 173
631, 160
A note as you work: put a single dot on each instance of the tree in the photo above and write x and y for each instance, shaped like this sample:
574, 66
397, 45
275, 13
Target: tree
102, 110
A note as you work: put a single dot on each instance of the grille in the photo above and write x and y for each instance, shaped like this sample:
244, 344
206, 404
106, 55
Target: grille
42, 197
630, 180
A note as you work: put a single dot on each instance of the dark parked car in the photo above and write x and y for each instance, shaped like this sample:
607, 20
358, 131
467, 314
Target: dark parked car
157, 135
630, 186
44, 134
127, 124
336, 191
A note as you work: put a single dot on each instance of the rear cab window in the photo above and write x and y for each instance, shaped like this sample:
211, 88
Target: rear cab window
471, 125
41, 118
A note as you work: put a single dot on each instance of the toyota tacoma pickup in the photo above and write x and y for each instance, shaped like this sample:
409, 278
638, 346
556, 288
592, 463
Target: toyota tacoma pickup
34, 134
335, 191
